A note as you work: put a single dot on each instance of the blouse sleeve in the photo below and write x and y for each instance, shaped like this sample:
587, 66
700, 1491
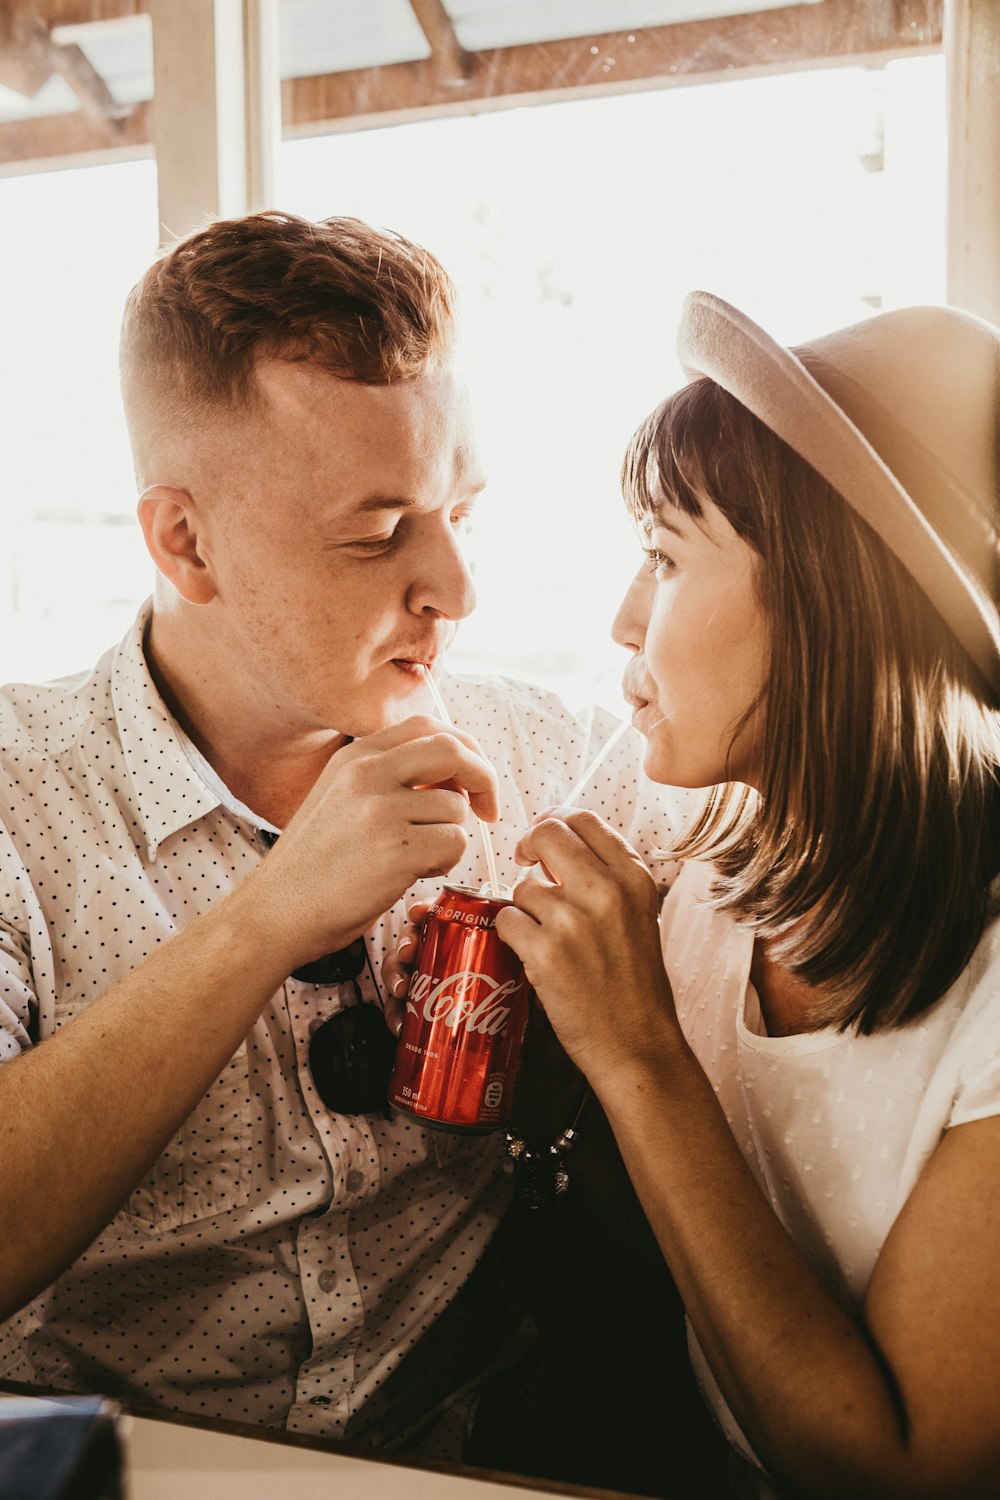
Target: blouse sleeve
977, 1091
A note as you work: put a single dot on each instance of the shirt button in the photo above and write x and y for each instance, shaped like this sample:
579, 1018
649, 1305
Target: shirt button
319, 1401
355, 1180
326, 1281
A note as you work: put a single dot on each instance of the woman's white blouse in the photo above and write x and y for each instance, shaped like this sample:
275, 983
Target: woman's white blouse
836, 1127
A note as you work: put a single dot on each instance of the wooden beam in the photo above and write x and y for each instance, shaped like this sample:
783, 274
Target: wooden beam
25, 63
974, 157
96, 99
199, 115
833, 32
82, 12
57, 141
262, 89
452, 63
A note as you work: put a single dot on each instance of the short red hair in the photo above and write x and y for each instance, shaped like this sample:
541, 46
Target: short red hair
364, 304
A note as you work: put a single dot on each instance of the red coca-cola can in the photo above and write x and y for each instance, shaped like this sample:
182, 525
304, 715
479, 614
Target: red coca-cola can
466, 1011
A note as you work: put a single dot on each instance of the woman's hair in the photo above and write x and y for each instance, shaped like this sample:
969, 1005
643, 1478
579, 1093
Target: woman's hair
364, 304
868, 853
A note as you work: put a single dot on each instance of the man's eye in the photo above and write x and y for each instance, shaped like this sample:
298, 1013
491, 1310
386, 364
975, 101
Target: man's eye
374, 544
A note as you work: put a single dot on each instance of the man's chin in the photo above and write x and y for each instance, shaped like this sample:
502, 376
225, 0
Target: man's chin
390, 710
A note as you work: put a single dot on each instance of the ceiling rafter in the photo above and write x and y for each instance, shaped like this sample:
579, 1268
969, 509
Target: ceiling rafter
837, 31
30, 56
454, 80
452, 64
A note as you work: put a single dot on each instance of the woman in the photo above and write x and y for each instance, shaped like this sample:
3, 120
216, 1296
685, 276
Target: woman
801, 1062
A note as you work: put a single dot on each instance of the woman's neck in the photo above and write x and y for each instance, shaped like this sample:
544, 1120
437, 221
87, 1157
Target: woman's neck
787, 1003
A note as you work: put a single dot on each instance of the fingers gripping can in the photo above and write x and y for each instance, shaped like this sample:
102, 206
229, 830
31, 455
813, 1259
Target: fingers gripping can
466, 1011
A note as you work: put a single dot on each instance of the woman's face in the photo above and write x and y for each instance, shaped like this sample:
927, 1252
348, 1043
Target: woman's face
700, 650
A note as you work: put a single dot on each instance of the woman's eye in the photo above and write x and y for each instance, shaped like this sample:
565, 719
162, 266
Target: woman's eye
657, 562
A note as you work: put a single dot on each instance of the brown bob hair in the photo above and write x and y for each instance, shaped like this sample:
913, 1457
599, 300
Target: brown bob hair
867, 853
362, 303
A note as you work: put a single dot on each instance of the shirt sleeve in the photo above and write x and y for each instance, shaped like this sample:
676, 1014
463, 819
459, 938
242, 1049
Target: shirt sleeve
978, 1094
18, 1002
977, 1037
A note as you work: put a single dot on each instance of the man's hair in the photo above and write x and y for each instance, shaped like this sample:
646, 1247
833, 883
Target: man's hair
868, 853
362, 303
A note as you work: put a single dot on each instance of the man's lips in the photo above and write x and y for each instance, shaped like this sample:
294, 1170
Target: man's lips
417, 665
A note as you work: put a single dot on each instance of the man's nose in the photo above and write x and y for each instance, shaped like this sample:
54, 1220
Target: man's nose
443, 586
628, 628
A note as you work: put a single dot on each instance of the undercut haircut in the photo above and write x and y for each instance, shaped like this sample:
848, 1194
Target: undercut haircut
867, 853
363, 304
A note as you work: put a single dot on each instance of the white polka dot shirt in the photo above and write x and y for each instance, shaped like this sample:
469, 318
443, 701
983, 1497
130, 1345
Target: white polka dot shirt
279, 1262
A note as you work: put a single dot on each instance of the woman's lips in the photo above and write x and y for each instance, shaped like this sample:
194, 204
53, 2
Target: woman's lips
631, 692
632, 695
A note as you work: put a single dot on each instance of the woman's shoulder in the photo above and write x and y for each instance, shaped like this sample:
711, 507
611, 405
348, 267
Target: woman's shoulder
690, 921
977, 991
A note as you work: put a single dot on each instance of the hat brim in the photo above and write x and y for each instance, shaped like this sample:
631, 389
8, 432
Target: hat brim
718, 341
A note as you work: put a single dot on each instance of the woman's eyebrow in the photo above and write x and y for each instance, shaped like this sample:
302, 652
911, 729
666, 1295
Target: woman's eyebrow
658, 520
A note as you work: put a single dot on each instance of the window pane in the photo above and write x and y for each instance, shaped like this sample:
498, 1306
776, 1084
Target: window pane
73, 239
574, 230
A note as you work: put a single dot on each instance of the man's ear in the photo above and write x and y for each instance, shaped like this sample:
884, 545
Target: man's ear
170, 523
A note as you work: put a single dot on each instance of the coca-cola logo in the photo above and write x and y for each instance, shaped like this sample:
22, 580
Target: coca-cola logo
466, 999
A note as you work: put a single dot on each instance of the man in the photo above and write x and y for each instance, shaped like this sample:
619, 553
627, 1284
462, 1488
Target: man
186, 1223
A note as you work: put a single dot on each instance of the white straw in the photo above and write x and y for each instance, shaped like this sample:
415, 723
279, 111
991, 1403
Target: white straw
605, 749
491, 862
582, 781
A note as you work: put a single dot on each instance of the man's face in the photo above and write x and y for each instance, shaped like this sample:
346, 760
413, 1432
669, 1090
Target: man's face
337, 549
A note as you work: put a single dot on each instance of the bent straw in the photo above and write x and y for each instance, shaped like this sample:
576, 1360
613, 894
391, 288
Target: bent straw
595, 764
582, 780
491, 862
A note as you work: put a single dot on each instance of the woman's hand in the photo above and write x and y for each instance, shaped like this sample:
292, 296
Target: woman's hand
589, 940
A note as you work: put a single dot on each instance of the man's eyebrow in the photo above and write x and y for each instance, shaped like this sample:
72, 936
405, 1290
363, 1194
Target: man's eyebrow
372, 503
381, 502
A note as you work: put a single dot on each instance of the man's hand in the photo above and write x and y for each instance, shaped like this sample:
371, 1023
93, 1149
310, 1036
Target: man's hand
397, 967
388, 810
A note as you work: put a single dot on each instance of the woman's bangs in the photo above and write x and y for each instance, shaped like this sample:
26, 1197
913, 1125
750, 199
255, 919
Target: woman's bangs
640, 469
658, 468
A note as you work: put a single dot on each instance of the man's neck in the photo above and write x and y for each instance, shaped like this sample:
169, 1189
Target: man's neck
270, 773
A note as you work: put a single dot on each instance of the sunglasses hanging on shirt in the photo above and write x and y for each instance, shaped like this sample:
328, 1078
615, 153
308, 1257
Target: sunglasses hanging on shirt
351, 1053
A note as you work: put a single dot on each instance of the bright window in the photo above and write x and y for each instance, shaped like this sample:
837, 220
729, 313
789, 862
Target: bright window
74, 565
573, 231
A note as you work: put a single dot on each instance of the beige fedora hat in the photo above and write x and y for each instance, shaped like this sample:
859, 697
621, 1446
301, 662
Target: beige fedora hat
901, 414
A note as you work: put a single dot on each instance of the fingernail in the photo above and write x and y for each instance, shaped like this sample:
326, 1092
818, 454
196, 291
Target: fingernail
397, 1025
399, 984
404, 945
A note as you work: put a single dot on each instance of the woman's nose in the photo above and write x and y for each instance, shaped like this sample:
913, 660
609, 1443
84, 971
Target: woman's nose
628, 628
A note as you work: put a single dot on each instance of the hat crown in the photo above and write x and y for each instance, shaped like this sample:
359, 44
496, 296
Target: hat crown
901, 415
923, 386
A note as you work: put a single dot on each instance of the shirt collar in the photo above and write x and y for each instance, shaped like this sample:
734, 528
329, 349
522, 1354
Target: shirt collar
168, 791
